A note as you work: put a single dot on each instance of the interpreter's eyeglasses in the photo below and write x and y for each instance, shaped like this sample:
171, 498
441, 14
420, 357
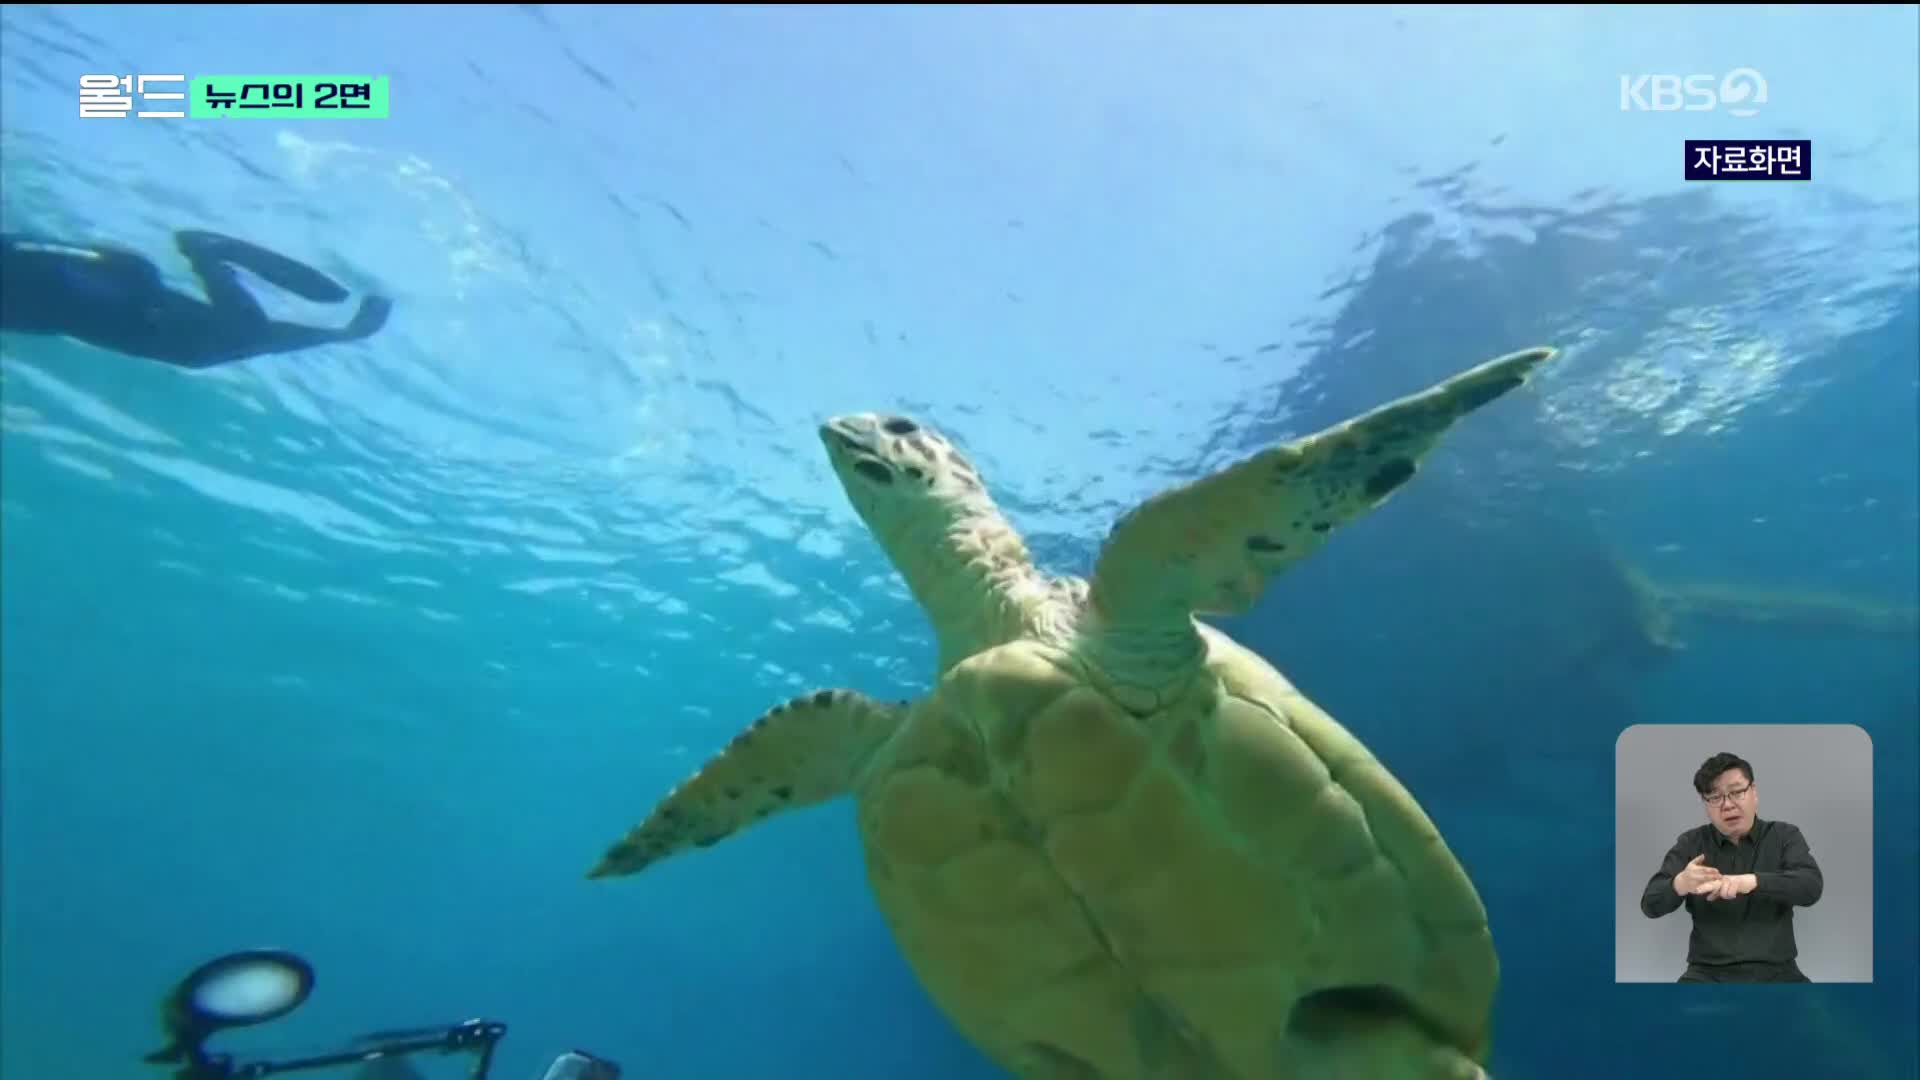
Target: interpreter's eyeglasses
1730, 796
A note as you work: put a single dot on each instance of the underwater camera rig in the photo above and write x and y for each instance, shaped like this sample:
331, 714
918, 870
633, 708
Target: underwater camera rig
257, 985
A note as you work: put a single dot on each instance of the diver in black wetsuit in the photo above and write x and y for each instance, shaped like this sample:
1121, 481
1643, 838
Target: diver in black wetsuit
115, 299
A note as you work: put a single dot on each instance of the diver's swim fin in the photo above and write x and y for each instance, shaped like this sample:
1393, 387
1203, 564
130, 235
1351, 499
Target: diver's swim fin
370, 318
295, 277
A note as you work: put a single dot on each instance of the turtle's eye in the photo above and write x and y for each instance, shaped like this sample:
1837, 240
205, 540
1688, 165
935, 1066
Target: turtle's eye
898, 425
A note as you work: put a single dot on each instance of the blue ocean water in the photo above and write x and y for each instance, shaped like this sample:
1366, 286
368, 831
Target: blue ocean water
370, 651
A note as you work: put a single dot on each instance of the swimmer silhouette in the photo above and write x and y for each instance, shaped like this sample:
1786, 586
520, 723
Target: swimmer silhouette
115, 299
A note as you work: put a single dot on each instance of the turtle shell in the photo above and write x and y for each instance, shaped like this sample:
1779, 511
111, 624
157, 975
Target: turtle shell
1086, 892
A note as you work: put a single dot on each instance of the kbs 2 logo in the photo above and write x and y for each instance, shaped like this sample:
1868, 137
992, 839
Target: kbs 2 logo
1739, 92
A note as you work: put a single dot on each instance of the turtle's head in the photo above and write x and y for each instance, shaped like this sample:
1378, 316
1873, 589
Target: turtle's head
926, 505
903, 477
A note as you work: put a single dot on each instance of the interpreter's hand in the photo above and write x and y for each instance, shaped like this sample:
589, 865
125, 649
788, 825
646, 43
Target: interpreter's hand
1731, 886
1694, 880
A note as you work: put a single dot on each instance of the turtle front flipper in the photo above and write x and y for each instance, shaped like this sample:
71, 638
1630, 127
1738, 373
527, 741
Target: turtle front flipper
1213, 545
805, 751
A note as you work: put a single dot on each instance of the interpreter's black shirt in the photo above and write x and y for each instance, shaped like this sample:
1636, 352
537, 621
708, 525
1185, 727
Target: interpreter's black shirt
1757, 927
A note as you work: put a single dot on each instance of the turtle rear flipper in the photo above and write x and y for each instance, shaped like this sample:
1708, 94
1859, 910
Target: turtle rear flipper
1369, 1032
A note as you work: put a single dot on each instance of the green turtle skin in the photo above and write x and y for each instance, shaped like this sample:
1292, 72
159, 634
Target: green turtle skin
1111, 842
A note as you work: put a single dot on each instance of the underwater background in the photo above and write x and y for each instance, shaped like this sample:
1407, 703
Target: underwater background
369, 651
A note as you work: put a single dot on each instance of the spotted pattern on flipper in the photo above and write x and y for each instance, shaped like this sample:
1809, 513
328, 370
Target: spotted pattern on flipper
1389, 476
1213, 545
800, 752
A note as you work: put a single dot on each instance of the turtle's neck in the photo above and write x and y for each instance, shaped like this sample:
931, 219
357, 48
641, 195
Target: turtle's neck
1144, 663
971, 572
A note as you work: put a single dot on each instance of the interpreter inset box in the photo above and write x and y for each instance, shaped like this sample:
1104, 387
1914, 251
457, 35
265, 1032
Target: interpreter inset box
1743, 853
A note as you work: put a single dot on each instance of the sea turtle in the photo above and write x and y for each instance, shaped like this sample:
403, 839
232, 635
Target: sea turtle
1112, 843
